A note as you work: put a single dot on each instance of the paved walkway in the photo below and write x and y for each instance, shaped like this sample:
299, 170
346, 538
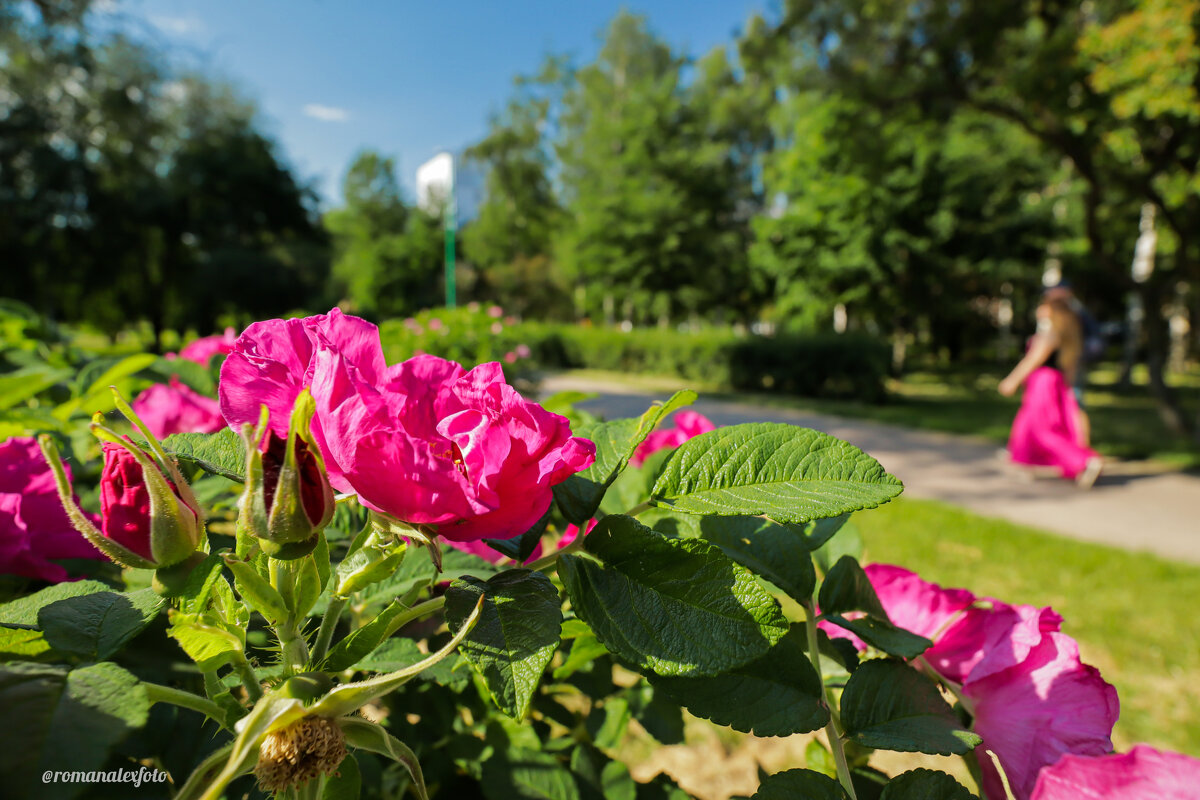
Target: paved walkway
1134, 505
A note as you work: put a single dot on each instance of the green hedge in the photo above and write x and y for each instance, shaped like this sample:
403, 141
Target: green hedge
845, 366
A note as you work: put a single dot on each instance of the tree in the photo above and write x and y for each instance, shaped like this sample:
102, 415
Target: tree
387, 256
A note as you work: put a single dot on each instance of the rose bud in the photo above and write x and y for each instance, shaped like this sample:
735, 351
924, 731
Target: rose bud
288, 499
147, 520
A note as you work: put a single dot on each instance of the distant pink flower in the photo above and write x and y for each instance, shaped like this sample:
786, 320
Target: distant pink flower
495, 312
435, 324
34, 528
1034, 713
688, 425
473, 306
176, 408
523, 351
497, 328
510, 357
202, 350
1141, 774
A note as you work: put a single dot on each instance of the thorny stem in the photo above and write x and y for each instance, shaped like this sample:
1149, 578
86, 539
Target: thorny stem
249, 679
177, 697
833, 729
328, 623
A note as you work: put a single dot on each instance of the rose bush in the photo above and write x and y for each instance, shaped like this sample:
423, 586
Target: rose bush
443, 627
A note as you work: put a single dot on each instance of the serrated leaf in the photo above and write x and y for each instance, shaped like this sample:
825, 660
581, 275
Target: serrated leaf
221, 453
521, 774
671, 606
773, 551
96, 626
784, 472
579, 496
797, 784
516, 635
925, 784
888, 705
777, 695
208, 641
63, 721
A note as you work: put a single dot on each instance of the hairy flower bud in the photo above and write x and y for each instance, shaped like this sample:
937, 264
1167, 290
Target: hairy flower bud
288, 499
142, 510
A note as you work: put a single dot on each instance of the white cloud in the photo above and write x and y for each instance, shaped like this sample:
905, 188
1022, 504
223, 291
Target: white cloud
180, 26
326, 113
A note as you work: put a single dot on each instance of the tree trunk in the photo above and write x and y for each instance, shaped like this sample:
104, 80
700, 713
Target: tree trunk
1157, 341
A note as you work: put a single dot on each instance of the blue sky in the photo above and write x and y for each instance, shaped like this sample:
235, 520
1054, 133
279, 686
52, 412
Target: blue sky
404, 77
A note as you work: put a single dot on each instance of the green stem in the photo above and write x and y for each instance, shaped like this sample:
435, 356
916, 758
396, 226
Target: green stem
328, 623
292, 645
158, 693
833, 729
419, 610
639, 508
249, 679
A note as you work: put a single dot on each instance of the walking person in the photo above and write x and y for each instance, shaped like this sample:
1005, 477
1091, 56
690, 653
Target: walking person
1047, 430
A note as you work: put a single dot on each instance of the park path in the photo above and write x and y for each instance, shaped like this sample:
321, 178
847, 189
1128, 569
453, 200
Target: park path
1134, 505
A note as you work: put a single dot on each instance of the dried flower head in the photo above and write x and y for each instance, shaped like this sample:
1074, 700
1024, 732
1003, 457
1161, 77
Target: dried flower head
293, 755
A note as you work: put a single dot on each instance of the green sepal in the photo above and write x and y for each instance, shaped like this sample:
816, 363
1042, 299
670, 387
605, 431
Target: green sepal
257, 590
172, 581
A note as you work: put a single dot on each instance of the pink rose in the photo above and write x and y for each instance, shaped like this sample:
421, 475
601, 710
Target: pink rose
34, 528
490, 554
510, 357
688, 425
176, 408
495, 312
1034, 713
202, 350
523, 351
435, 324
1141, 774
424, 440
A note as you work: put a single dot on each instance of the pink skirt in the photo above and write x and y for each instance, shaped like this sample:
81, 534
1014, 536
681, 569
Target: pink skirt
1046, 431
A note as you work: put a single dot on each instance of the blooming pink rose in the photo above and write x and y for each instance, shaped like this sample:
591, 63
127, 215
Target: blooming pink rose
34, 528
273, 360
202, 350
1034, 713
176, 408
423, 441
1141, 774
688, 425
437, 445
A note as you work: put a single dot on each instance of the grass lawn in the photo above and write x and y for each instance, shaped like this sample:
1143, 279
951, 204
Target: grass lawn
1133, 615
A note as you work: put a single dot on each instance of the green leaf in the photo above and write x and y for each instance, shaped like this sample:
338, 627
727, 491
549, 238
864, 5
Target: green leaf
799, 784
398, 653
17, 387
584, 650
520, 774
195, 376
24, 611
883, 635
374, 739
777, 695
820, 531
776, 553
655, 711
676, 607
925, 784
599, 777
787, 473
608, 722
459, 564
257, 591
24, 644
888, 705
847, 542
521, 547
96, 626
516, 635
208, 641
63, 721
847, 588
221, 453
579, 496
361, 641
345, 784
